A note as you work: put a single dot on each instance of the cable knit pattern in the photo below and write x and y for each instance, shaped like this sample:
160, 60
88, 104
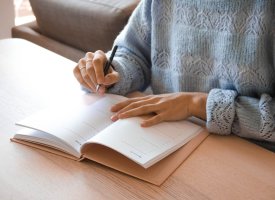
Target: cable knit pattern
222, 47
267, 128
220, 111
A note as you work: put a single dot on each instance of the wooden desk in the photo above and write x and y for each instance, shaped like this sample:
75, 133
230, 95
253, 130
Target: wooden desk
32, 78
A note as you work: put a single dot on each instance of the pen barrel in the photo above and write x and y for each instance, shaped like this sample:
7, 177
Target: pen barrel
106, 67
109, 61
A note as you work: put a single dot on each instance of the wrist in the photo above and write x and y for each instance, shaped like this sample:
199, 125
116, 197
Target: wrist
198, 105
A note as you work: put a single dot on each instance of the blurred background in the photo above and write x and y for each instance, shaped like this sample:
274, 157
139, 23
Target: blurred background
23, 12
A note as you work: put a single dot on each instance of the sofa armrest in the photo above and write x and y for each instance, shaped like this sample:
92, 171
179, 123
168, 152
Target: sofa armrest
31, 32
87, 25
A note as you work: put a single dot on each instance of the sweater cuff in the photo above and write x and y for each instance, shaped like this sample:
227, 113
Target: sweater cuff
119, 87
220, 111
126, 81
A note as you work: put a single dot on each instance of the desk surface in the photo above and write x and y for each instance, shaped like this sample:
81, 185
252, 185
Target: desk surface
31, 78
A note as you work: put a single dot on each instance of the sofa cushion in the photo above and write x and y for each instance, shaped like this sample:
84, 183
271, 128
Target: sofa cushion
84, 24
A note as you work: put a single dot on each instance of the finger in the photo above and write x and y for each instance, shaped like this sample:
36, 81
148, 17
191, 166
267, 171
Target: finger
89, 67
121, 105
79, 78
102, 90
111, 78
84, 75
98, 64
89, 56
141, 110
152, 121
139, 107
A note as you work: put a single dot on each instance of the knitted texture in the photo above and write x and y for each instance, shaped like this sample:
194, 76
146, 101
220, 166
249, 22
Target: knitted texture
225, 48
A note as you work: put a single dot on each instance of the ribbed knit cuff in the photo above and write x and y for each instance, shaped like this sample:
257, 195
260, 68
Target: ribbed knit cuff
129, 78
220, 110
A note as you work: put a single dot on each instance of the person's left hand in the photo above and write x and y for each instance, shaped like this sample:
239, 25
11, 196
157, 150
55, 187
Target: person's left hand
165, 107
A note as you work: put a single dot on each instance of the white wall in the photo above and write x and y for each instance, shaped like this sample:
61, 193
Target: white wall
6, 18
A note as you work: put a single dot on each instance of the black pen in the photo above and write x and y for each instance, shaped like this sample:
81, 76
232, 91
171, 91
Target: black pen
107, 65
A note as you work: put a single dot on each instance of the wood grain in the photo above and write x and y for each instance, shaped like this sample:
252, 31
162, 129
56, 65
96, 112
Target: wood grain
32, 78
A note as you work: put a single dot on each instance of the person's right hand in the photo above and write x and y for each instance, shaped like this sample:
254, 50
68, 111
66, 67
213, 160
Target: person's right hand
89, 72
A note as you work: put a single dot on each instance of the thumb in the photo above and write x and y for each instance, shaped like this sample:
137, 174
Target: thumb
111, 78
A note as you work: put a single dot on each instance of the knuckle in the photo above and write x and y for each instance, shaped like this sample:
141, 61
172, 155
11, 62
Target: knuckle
97, 61
82, 60
99, 57
89, 55
100, 52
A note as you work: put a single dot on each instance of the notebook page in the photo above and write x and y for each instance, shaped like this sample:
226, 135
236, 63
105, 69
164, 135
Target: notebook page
74, 124
146, 146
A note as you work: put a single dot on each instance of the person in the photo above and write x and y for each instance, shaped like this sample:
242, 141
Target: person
214, 60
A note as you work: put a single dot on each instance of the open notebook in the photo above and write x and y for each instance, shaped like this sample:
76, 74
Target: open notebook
84, 130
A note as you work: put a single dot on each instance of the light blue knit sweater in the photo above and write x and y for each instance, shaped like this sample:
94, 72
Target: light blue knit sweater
223, 47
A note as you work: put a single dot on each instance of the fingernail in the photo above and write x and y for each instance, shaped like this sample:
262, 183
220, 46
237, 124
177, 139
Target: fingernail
101, 90
143, 124
114, 118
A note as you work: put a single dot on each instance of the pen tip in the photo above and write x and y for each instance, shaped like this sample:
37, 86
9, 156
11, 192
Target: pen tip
97, 87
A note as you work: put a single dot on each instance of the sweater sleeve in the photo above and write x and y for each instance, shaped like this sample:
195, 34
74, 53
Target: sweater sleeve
244, 116
132, 60
248, 117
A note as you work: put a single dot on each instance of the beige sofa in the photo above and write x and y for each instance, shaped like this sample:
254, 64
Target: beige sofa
73, 27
